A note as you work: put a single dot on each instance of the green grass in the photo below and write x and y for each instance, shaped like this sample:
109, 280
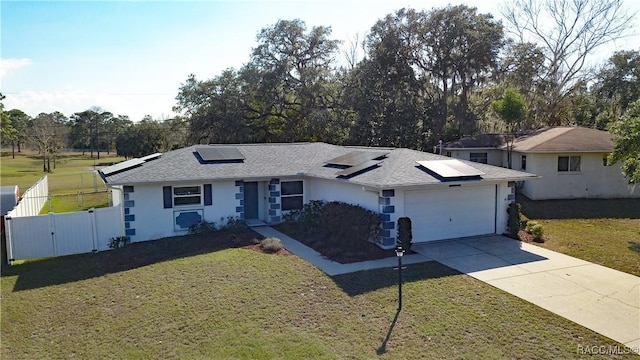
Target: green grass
242, 304
606, 232
72, 174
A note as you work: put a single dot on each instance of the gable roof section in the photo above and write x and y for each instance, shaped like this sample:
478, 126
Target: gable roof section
481, 141
556, 139
266, 161
565, 139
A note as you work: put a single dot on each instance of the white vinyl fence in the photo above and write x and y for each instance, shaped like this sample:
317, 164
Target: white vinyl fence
32, 200
30, 235
51, 235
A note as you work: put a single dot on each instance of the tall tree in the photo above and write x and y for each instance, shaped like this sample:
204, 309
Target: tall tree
290, 72
20, 121
8, 133
626, 132
88, 130
433, 61
461, 50
143, 138
217, 109
47, 134
616, 87
569, 31
512, 110
384, 91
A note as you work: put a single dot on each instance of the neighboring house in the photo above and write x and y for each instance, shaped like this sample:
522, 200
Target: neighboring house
571, 161
163, 194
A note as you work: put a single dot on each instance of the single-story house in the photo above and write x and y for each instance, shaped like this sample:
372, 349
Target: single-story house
164, 194
571, 161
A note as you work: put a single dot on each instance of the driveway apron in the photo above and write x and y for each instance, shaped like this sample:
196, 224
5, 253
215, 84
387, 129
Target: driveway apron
604, 300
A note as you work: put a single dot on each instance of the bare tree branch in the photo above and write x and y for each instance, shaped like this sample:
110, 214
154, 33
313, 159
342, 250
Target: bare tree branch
570, 32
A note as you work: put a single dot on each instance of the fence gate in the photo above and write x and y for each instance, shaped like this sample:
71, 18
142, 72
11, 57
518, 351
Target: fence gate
30, 237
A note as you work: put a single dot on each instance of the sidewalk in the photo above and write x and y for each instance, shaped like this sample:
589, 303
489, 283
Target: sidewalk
333, 268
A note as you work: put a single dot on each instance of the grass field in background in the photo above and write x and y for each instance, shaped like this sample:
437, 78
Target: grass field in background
73, 174
602, 231
242, 304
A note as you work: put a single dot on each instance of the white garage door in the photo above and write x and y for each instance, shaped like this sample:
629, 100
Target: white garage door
451, 212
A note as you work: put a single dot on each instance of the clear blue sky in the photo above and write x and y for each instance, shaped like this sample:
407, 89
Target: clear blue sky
131, 57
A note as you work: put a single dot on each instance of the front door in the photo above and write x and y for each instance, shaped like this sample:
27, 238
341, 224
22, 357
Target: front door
250, 200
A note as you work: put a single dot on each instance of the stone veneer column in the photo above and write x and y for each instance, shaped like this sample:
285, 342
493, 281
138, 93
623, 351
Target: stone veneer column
128, 205
275, 207
387, 214
240, 199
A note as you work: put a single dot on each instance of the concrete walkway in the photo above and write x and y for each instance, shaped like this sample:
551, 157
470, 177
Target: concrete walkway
604, 300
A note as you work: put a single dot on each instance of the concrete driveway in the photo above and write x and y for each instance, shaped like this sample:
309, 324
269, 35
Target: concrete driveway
604, 300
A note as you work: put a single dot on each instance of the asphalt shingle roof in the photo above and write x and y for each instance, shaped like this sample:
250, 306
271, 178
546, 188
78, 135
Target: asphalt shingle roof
556, 139
265, 161
560, 139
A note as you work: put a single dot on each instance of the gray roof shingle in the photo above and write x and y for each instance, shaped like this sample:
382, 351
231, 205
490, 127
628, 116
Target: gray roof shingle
265, 161
554, 139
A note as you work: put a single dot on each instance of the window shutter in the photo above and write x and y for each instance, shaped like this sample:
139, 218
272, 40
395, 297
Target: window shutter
168, 199
208, 199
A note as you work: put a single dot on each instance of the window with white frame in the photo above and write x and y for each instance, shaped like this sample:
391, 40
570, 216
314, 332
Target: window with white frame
291, 195
523, 162
187, 195
569, 163
478, 157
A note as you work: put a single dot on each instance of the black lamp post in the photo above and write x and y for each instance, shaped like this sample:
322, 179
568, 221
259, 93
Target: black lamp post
399, 254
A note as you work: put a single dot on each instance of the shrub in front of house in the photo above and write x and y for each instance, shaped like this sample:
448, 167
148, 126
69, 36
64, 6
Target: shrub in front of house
335, 229
118, 242
308, 218
348, 223
202, 227
234, 223
405, 234
538, 232
514, 222
271, 245
529, 227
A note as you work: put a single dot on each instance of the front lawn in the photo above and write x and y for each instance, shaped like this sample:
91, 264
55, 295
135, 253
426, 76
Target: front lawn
171, 299
605, 232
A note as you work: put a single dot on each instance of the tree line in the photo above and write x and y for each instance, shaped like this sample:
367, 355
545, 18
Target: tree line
422, 77
91, 131
417, 77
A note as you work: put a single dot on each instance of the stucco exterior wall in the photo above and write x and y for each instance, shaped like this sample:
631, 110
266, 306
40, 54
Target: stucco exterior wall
147, 219
320, 189
594, 180
494, 157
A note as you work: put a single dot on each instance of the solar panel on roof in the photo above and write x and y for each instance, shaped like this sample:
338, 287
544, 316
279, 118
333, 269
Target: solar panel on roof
151, 157
360, 167
355, 157
450, 168
220, 154
120, 167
